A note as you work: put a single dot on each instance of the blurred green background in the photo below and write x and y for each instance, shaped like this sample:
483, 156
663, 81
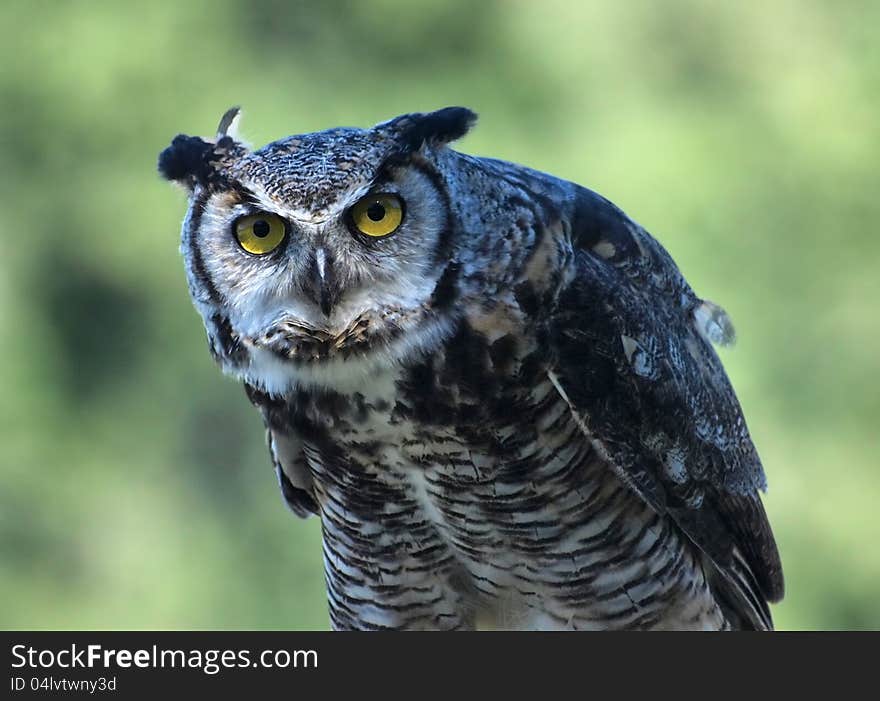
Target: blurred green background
136, 491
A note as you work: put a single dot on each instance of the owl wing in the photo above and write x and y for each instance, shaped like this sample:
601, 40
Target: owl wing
632, 357
288, 454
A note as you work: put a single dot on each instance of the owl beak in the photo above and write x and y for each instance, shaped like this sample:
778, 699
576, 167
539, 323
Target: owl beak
322, 287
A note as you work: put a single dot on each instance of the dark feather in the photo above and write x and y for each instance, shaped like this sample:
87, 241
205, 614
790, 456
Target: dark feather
190, 160
287, 452
186, 157
440, 127
653, 395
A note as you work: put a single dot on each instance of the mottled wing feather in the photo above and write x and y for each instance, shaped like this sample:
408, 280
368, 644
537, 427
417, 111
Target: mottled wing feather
288, 454
631, 357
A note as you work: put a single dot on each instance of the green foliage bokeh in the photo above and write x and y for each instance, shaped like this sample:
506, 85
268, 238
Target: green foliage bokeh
135, 489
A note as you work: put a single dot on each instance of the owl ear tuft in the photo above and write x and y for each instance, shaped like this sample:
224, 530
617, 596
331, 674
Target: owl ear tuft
186, 160
191, 159
229, 123
437, 128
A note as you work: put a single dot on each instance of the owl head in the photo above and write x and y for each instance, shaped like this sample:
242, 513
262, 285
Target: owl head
324, 255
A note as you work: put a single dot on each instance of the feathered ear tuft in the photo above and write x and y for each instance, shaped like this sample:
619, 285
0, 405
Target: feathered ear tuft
436, 128
186, 160
191, 159
229, 123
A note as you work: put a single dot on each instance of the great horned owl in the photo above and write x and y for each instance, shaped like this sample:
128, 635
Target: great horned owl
495, 390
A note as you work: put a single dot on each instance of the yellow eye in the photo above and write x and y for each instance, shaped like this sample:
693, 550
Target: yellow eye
377, 215
260, 233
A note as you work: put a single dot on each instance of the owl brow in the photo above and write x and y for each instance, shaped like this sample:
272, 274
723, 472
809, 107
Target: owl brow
385, 171
238, 194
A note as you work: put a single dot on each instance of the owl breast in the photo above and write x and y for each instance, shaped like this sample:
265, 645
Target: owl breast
459, 492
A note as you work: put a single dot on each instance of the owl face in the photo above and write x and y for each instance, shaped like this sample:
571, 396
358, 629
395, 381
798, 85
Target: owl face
318, 256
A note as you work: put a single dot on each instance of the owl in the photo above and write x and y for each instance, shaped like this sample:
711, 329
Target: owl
495, 390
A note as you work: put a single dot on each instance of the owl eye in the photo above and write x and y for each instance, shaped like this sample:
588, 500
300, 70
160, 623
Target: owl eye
260, 233
377, 215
